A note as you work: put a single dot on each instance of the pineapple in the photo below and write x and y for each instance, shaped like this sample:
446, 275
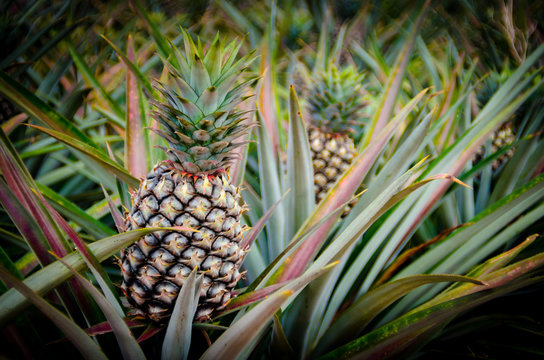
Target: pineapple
335, 104
502, 137
192, 189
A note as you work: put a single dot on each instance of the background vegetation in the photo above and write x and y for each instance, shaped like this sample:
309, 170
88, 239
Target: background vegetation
440, 256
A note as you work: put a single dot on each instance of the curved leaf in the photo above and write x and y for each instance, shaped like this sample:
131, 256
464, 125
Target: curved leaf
135, 146
88, 348
37, 108
128, 59
354, 319
126, 341
177, 339
95, 154
300, 173
396, 336
12, 302
270, 189
231, 343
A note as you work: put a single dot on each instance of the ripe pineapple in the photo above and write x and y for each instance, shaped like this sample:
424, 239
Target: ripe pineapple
335, 104
192, 189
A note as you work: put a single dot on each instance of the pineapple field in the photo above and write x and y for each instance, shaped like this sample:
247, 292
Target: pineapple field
273, 179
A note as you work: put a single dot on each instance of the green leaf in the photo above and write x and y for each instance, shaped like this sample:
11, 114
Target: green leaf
35, 40
342, 192
230, 344
115, 213
94, 227
88, 348
250, 297
128, 59
270, 190
94, 154
396, 336
26, 224
450, 255
6, 263
354, 319
177, 339
241, 20
279, 345
160, 41
126, 341
25, 191
38, 109
493, 278
46, 279
300, 172
258, 226
398, 163
94, 265
338, 249
388, 98
93, 81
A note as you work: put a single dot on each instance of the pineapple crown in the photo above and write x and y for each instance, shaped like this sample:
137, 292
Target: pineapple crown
202, 125
335, 99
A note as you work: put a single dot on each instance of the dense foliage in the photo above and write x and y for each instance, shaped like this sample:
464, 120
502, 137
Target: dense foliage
372, 171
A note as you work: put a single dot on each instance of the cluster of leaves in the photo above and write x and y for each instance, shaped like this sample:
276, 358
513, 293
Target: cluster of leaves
372, 284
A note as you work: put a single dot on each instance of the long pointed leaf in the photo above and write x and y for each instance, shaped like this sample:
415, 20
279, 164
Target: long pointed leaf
35, 107
177, 339
299, 170
343, 190
55, 273
93, 81
392, 88
88, 348
352, 321
135, 154
94, 154
256, 229
129, 347
230, 344
270, 189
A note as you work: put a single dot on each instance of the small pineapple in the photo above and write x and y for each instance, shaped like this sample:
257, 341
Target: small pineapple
502, 137
192, 189
335, 104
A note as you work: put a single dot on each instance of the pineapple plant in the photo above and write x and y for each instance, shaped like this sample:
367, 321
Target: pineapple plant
335, 105
202, 127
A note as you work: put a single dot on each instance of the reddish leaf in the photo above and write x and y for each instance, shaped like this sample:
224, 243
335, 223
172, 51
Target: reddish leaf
135, 155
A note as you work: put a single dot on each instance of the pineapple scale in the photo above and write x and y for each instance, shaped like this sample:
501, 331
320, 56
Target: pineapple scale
155, 267
331, 155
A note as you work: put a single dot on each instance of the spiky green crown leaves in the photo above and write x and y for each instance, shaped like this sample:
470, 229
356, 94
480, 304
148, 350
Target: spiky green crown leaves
202, 124
335, 100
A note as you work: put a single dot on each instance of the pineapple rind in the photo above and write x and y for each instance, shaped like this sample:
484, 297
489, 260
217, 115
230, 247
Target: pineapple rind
331, 155
155, 267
